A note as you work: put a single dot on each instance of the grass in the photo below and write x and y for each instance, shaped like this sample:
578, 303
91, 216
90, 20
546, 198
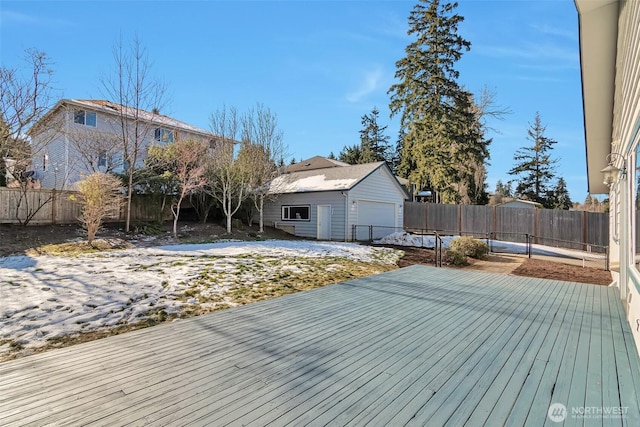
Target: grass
78, 248
302, 274
223, 282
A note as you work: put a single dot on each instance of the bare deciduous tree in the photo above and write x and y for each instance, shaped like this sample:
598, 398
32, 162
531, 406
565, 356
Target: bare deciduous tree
227, 176
100, 196
26, 94
133, 88
262, 140
184, 164
97, 150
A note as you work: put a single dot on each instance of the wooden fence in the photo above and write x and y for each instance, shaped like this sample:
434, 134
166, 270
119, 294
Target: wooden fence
59, 207
511, 224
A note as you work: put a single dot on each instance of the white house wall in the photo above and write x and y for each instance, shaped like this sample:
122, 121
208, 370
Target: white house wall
65, 164
377, 187
273, 213
626, 137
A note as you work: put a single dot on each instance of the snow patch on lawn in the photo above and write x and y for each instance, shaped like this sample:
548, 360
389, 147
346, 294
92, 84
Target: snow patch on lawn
43, 297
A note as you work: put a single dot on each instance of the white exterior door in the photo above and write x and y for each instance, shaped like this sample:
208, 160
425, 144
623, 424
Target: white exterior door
381, 215
324, 222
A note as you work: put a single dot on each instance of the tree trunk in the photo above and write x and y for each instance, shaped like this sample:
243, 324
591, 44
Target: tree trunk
127, 226
261, 213
228, 213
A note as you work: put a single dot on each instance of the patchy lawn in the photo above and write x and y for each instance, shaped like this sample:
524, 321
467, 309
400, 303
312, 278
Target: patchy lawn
52, 300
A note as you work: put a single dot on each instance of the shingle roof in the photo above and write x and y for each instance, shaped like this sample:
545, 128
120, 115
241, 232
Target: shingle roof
324, 179
317, 162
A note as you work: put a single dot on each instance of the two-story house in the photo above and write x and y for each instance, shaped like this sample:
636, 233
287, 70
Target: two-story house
89, 136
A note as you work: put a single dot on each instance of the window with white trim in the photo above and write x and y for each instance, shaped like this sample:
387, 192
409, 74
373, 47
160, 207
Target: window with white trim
296, 213
87, 118
164, 136
102, 159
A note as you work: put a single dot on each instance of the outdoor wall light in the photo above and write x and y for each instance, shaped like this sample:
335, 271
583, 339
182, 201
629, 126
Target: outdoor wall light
611, 172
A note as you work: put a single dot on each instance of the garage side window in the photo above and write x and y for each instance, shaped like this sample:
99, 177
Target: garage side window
296, 213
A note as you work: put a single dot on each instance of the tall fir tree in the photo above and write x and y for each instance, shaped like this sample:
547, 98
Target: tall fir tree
374, 144
535, 167
436, 113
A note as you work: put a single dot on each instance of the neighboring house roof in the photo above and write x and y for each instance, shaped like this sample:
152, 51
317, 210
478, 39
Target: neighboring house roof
521, 202
115, 109
326, 179
317, 162
598, 26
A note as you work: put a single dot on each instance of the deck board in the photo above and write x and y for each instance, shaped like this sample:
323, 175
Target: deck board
413, 346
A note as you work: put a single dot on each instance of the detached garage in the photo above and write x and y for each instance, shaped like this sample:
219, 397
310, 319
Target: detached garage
329, 200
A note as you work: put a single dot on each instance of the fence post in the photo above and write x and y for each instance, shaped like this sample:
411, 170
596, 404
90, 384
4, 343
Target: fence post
459, 220
54, 210
584, 227
529, 244
426, 216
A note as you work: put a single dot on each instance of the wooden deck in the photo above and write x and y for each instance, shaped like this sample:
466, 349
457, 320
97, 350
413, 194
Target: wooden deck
416, 346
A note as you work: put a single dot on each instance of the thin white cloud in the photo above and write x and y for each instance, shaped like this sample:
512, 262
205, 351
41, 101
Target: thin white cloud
555, 31
10, 17
530, 51
370, 82
7, 17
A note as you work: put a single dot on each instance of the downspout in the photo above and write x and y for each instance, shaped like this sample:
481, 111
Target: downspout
625, 221
346, 217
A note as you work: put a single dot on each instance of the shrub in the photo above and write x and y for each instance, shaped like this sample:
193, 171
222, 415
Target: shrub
469, 246
452, 257
100, 196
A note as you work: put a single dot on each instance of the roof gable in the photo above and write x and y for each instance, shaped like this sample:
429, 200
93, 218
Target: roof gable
322, 179
335, 178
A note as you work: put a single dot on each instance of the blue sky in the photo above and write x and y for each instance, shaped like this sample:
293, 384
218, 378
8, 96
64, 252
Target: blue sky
319, 65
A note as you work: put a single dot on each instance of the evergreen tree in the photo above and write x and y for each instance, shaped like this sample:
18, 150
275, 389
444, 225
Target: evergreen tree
374, 144
535, 167
332, 156
503, 189
351, 155
561, 198
394, 156
436, 112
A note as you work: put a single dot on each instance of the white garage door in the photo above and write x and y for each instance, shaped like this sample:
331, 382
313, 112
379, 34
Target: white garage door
379, 214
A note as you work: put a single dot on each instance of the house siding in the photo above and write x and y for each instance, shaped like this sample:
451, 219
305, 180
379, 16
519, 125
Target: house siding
627, 90
273, 216
66, 166
378, 187
626, 131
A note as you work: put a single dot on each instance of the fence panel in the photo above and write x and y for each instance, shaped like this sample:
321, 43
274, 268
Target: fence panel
442, 218
560, 228
572, 229
37, 206
513, 224
58, 207
476, 220
415, 215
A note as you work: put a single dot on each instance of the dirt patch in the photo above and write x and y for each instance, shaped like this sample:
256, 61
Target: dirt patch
518, 265
558, 271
